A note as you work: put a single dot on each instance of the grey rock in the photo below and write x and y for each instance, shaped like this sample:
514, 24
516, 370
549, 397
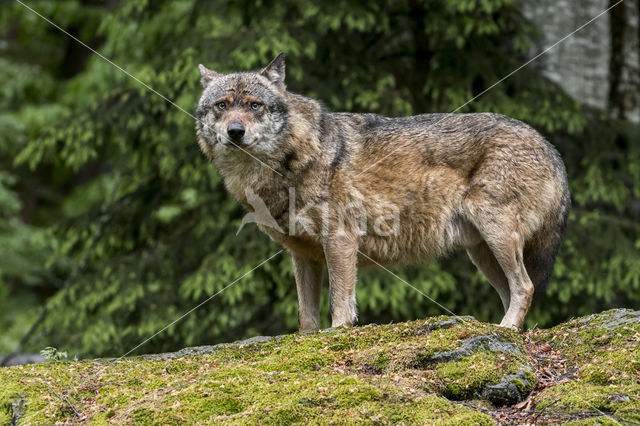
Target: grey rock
471, 345
256, 339
194, 350
20, 359
613, 318
619, 398
448, 323
511, 389
207, 350
18, 409
580, 64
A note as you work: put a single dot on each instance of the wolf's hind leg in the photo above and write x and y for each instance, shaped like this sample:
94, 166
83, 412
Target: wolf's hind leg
309, 285
341, 255
486, 262
507, 248
501, 233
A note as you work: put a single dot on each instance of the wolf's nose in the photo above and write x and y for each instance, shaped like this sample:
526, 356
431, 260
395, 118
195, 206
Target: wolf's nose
235, 131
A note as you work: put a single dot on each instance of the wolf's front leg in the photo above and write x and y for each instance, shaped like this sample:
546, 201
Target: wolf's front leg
309, 284
341, 255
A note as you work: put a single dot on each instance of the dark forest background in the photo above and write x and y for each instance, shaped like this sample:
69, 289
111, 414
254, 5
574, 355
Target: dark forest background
112, 224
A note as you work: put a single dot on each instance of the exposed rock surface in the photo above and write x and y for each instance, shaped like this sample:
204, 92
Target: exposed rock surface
18, 407
580, 64
445, 370
471, 345
511, 388
206, 350
20, 359
612, 319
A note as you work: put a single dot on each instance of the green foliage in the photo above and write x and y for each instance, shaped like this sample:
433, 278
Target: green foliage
52, 354
114, 219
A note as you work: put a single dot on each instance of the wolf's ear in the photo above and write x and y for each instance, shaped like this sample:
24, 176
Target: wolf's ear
275, 70
207, 75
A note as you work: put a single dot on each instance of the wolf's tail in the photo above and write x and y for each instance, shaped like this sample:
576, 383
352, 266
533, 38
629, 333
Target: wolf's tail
541, 249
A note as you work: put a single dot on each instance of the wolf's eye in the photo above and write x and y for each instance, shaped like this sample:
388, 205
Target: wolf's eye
221, 105
255, 105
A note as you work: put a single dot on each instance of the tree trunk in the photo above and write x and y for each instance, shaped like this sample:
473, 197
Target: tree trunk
418, 15
618, 24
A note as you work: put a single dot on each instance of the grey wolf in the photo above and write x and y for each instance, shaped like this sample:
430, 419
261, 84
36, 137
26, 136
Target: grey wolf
480, 182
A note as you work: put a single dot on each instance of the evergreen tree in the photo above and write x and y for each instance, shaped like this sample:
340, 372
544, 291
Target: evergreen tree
113, 220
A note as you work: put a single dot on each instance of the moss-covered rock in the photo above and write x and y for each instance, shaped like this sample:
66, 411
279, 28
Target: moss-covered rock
489, 367
598, 368
436, 371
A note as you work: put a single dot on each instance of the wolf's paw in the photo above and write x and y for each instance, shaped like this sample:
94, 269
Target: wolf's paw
509, 325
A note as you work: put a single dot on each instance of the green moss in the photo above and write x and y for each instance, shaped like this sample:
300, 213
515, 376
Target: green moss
381, 361
450, 338
370, 374
601, 420
142, 415
292, 379
20, 383
581, 339
424, 410
577, 397
465, 378
518, 383
287, 416
608, 366
473, 418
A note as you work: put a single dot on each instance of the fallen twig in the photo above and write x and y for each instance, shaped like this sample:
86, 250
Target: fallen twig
62, 398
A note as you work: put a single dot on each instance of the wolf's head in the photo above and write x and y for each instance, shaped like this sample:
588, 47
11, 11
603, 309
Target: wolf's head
244, 110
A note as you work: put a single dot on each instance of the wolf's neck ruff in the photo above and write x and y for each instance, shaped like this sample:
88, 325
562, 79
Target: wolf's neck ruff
297, 152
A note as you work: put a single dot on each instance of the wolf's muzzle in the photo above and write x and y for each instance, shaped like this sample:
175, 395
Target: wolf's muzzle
235, 131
